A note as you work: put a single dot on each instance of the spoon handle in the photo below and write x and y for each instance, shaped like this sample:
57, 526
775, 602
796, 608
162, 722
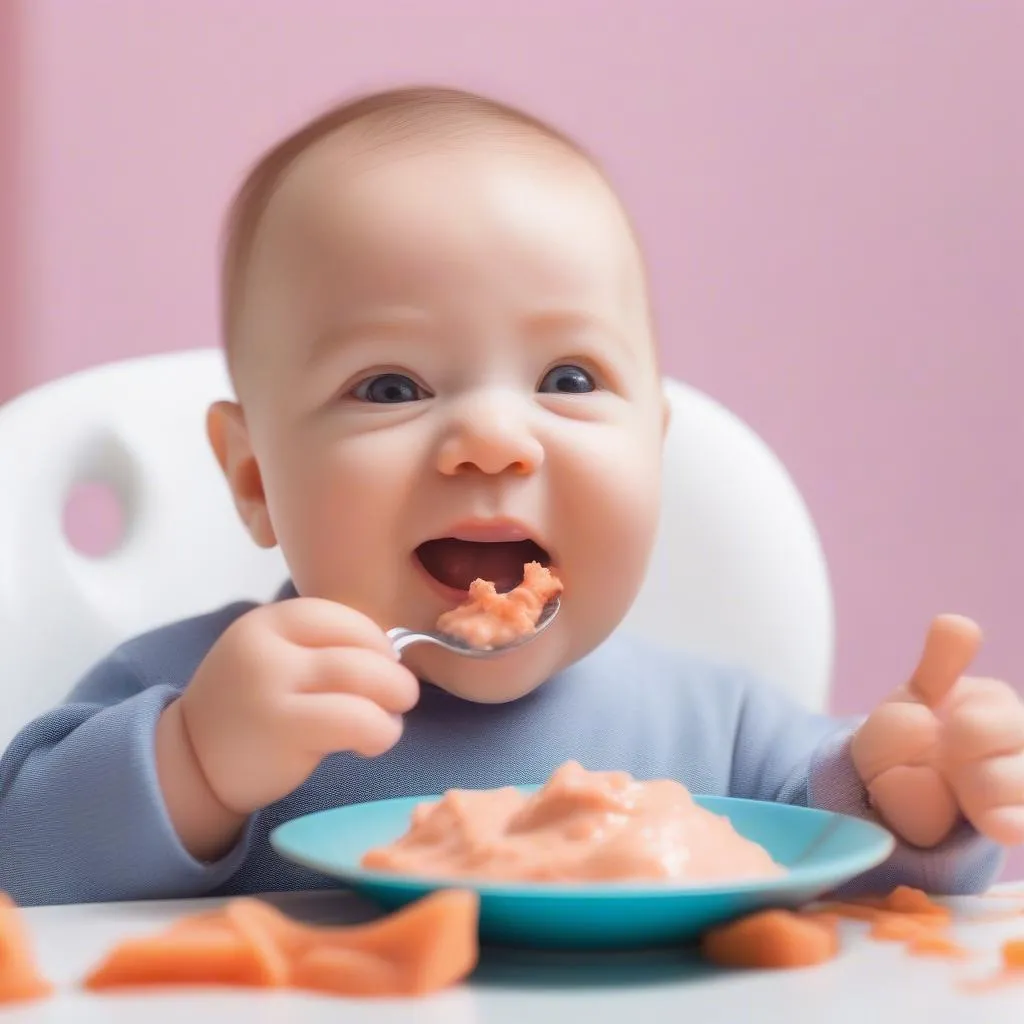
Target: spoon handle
401, 638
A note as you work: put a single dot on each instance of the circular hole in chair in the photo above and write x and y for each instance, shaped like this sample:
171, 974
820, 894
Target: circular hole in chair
94, 518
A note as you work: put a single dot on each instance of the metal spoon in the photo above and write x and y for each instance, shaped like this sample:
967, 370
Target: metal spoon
402, 638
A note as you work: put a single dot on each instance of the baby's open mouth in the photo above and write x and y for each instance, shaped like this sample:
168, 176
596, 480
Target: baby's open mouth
456, 563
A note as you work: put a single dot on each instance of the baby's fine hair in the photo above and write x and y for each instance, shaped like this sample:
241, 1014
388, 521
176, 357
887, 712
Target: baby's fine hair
394, 115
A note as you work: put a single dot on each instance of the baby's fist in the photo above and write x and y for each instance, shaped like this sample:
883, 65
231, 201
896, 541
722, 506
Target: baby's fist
945, 745
285, 685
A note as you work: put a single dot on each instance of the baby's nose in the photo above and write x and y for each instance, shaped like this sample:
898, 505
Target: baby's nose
490, 436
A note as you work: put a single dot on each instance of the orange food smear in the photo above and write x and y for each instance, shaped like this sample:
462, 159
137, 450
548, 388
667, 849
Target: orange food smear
773, 939
421, 948
489, 619
1013, 954
936, 944
907, 902
779, 938
897, 929
20, 979
906, 915
1012, 972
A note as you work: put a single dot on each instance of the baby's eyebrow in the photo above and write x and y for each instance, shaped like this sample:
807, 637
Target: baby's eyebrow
392, 323
557, 323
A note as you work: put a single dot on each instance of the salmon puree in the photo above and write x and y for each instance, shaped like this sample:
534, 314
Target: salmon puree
581, 826
489, 619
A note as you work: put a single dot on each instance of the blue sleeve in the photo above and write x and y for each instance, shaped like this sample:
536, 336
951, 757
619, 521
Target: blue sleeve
787, 754
82, 817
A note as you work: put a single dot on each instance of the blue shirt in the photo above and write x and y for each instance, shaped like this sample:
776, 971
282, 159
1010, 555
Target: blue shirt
82, 817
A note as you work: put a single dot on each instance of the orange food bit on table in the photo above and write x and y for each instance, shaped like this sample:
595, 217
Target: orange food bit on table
20, 979
893, 928
937, 944
906, 915
772, 939
904, 900
1013, 954
421, 948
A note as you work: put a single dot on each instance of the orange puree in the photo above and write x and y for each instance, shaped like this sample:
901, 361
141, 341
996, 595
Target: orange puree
489, 619
581, 826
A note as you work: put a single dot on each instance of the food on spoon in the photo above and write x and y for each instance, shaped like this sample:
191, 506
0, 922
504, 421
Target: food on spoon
421, 948
487, 619
20, 979
580, 827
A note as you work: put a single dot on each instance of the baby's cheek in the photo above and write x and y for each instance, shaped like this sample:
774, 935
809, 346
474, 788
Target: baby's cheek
616, 494
608, 509
337, 532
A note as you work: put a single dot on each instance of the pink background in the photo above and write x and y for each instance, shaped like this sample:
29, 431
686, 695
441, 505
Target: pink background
831, 194
9, 133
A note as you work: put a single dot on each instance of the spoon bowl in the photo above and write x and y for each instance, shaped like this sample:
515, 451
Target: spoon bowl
401, 638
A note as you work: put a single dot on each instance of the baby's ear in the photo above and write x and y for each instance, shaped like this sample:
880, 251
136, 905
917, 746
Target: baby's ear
229, 438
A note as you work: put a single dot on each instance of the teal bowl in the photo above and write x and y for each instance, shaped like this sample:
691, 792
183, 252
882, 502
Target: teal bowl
820, 850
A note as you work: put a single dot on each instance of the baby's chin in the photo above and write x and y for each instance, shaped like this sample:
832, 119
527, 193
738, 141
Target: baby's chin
496, 680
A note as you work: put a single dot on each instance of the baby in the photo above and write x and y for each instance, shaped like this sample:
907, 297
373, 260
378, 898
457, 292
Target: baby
436, 318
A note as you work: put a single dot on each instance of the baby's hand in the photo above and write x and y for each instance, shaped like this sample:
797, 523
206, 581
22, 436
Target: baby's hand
944, 745
287, 684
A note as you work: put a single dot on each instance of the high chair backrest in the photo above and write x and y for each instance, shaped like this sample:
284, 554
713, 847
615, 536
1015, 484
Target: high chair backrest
737, 574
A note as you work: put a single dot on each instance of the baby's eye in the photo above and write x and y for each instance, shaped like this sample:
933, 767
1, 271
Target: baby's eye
567, 380
389, 389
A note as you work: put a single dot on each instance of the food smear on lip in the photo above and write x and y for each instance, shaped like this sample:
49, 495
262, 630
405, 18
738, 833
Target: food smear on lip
581, 826
487, 619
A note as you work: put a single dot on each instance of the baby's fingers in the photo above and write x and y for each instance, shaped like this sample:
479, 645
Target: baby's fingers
363, 673
896, 734
315, 622
949, 648
986, 720
990, 793
1003, 825
326, 723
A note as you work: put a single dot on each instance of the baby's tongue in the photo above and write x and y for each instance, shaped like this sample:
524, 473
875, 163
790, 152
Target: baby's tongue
456, 563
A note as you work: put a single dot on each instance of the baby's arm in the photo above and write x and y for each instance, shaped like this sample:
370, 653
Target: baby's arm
82, 817
784, 753
141, 786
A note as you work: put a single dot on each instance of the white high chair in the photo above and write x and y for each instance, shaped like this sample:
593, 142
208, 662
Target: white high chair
737, 574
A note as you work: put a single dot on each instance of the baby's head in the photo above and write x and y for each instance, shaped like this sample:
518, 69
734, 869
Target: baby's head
436, 318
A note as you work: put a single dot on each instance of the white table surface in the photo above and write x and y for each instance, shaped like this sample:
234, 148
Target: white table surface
870, 983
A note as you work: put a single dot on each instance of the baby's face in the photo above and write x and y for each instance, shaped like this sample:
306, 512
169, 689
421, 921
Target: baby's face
449, 371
